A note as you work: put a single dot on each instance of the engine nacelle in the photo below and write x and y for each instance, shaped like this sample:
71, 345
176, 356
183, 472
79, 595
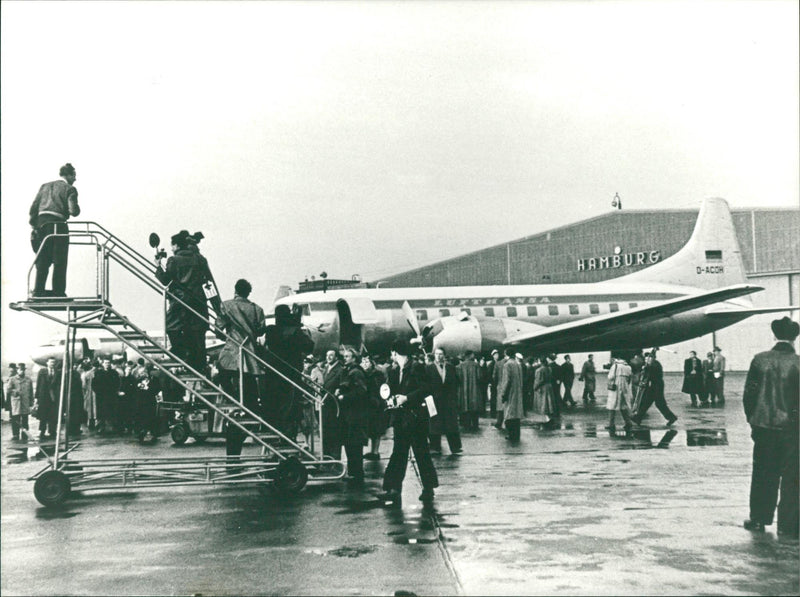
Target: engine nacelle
458, 334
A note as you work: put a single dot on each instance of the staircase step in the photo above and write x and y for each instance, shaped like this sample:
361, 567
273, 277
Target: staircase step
130, 334
149, 349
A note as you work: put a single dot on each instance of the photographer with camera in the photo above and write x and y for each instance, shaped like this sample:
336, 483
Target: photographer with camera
410, 420
185, 274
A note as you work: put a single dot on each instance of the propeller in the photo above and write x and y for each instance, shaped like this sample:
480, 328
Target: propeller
411, 320
420, 336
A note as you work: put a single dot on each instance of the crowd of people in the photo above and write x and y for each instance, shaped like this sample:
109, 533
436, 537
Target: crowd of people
120, 398
106, 397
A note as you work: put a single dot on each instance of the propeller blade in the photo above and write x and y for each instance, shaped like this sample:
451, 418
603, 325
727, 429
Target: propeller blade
411, 318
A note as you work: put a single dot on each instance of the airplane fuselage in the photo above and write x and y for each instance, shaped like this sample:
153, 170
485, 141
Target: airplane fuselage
376, 317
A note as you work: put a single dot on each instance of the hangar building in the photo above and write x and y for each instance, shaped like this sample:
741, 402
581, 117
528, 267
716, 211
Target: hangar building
769, 239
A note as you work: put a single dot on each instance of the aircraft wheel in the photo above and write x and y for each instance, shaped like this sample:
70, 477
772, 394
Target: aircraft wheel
179, 434
52, 488
291, 475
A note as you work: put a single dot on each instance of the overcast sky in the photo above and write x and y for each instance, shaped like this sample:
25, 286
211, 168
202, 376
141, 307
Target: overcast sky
370, 138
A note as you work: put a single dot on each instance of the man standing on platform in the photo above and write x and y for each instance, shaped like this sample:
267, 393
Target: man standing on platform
771, 400
54, 203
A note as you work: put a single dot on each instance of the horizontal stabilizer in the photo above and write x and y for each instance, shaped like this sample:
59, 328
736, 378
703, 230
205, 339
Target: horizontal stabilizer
603, 324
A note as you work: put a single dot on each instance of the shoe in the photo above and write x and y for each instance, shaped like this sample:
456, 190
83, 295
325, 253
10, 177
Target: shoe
750, 525
435, 450
672, 421
459, 451
391, 495
611, 427
355, 482
372, 456
426, 495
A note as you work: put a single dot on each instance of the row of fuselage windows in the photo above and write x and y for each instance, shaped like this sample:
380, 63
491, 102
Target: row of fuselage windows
529, 311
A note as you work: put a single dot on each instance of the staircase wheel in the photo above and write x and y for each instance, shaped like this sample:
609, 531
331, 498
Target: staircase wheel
291, 475
179, 434
52, 488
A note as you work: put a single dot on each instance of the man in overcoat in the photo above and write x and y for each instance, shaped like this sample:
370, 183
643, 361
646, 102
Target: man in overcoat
567, 373
693, 377
470, 399
243, 320
20, 397
652, 384
510, 395
409, 388
719, 375
771, 400
443, 385
589, 378
333, 374
186, 273
353, 403
48, 390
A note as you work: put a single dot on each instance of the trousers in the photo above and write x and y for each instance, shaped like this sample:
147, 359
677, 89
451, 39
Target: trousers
410, 438
54, 251
775, 470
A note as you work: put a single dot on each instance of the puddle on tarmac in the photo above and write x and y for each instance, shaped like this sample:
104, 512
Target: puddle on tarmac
352, 552
706, 437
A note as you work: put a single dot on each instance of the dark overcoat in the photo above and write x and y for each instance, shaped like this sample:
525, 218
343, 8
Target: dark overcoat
445, 397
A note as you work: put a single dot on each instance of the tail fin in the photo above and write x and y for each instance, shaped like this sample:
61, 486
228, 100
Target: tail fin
710, 259
283, 291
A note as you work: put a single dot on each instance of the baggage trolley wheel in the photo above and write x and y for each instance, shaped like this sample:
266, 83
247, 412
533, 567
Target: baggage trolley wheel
291, 475
179, 433
51, 488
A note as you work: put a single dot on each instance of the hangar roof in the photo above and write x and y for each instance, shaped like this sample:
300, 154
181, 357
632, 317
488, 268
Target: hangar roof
769, 239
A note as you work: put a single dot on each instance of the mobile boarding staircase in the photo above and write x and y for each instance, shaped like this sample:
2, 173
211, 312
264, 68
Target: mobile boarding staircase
281, 460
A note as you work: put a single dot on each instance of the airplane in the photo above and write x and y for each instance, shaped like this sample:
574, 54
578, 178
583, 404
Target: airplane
99, 343
698, 290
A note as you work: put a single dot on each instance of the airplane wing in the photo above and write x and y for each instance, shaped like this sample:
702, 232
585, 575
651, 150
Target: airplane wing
625, 321
722, 312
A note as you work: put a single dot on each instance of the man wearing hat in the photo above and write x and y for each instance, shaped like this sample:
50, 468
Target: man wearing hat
54, 203
719, 375
187, 316
20, 397
410, 420
771, 398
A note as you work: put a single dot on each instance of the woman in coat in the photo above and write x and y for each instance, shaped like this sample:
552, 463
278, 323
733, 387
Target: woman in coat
543, 398
377, 415
353, 404
619, 391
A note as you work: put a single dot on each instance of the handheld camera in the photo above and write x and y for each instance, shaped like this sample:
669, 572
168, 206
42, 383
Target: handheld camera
154, 241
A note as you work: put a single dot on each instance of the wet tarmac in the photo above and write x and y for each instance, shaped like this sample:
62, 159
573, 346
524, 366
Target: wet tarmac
577, 510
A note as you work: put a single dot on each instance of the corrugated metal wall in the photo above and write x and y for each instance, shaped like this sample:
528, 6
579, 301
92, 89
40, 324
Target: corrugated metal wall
552, 257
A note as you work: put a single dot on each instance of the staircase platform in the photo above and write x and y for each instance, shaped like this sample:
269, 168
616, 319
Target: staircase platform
60, 304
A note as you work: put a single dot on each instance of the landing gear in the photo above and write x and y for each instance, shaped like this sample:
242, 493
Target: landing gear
179, 434
291, 475
51, 488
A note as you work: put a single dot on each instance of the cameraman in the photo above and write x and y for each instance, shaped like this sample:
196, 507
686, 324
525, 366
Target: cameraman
186, 273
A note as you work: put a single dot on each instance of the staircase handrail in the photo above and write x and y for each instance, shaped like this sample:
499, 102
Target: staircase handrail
156, 285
